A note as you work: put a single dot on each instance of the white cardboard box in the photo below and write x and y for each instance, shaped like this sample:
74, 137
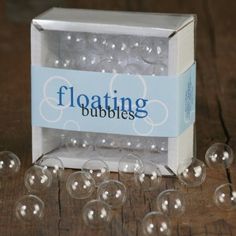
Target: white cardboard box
177, 29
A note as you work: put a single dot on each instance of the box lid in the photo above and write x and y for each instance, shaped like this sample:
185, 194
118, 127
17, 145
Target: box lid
113, 22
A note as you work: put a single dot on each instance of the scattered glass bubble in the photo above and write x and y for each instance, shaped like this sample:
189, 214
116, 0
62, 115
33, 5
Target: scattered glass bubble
149, 177
53, 164
112, 192
80, 185
9, 164
171, 202
29, 208
98, 169
156, 224
133, 69
97, 214
37, 179
193, 175
128, 165
219, 155
225, 197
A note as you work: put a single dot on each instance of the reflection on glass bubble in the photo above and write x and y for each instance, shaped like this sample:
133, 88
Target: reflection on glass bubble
156, 224
53, 164
97, 214
98, 169
80, 185
149, 177
225, 197
112, 192
128, 165
194, 174
171, 203
29, 208
219, 155
9, 164
37, 179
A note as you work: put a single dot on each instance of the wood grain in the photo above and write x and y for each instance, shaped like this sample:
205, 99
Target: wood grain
216, 102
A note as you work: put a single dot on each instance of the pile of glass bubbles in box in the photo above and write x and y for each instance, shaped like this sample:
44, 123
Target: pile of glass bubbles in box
108, 53
94, 180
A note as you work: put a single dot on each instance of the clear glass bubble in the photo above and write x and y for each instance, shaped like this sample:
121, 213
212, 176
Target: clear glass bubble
192, 175
37, 179
171, 202
225, 197
112, 192
151, 50
87, 61
131, 144
219, 155
128, 165
98, 169
29, 208
53, 164
97, 42
76, 144
80, 185
107, 146
149, 177
80, 41
109, 66
97, 214
156, 224
9, 164
118, 44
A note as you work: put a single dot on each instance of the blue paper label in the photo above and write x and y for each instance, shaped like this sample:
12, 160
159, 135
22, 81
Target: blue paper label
162, 106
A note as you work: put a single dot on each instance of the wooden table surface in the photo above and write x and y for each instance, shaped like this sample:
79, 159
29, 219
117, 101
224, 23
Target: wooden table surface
216, 121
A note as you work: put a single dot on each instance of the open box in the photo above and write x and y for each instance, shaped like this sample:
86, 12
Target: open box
72, 86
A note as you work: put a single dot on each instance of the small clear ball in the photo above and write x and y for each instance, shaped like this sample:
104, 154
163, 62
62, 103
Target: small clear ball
151, 50
193, 175
107, 146
128, 165
112, 192
97, 214
37, 179
80, 185
219, 155
225, 197
109, 66
149, 177
80, 41
98, 169
156, 224
171, 202
29, 208
53, 164
9, 164
76, 145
